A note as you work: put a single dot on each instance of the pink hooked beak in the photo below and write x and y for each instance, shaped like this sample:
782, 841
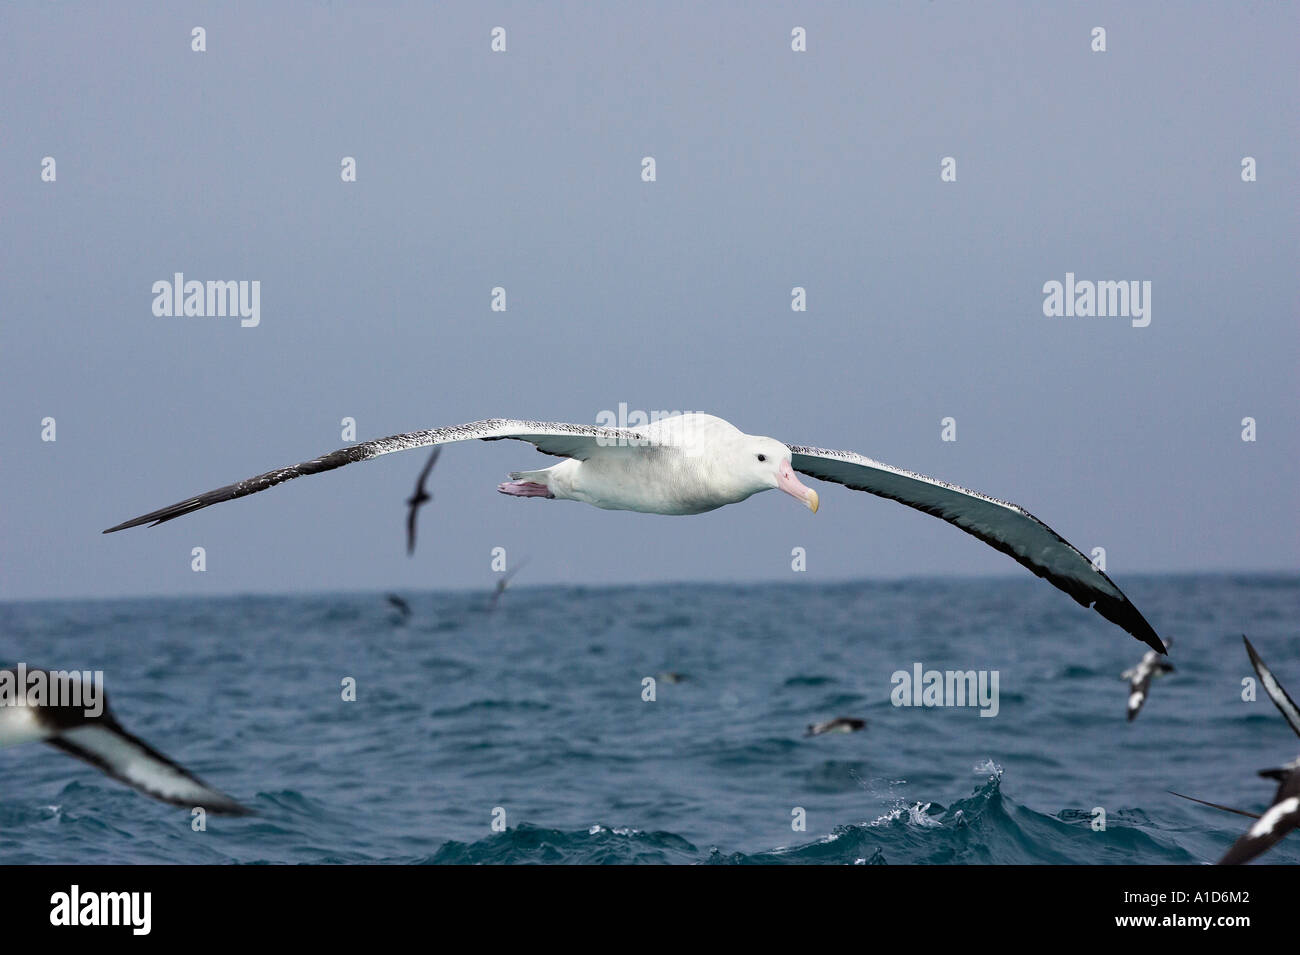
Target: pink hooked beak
787, 482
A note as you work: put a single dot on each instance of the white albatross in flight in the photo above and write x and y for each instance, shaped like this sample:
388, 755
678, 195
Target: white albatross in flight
689, 464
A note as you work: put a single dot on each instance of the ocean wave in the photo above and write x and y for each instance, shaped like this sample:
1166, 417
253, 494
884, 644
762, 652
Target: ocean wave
985, 827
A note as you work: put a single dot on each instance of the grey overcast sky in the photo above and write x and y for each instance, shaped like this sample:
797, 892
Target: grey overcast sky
522, 169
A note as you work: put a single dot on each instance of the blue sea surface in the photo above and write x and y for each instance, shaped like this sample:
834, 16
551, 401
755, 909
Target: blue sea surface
535, 712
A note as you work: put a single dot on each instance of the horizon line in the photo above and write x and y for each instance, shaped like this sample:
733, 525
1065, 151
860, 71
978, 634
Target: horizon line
630, 585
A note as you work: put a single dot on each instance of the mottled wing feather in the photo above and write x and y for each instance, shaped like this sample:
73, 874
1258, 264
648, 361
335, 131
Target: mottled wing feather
561, 440
1005, 526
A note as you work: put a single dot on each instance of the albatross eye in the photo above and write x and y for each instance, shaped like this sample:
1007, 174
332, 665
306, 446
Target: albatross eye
762, 457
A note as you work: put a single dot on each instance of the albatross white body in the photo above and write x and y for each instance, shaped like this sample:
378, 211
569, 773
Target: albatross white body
686, 464
694, 463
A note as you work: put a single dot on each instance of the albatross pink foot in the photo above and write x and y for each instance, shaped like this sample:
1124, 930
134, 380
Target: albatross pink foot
524, 489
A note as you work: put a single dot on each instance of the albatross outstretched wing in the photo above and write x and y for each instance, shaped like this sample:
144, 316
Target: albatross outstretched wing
562, 440
1009, 528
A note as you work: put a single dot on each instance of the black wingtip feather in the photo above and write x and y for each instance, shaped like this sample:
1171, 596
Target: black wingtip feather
1123, 614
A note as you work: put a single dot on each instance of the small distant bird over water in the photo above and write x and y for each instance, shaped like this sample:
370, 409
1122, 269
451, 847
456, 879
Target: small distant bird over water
99, 739
841, 724
502, 583
693, 463
1139, 678
400, 605
418, 500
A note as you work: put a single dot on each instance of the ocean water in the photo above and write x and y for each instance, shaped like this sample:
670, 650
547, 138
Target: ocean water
536, 710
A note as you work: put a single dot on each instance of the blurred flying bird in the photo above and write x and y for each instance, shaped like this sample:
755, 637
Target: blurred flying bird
841, 724
401, 605
1283, 814
1139, 678
502, 583
92, 733
418, 499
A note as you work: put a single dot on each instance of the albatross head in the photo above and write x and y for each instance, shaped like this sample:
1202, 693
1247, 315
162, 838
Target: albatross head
766, 462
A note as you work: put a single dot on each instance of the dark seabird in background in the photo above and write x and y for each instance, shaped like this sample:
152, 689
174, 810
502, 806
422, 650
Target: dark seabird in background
1139, 678
419, 499
101, 741
502, 584
841, 724
399, 604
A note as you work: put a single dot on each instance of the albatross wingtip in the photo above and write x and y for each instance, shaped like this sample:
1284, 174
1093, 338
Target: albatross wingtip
1121, 612
134, 522
162, 515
